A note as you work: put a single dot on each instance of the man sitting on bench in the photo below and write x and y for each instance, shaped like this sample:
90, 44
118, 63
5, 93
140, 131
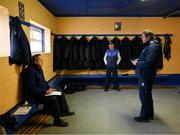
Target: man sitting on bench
36, 88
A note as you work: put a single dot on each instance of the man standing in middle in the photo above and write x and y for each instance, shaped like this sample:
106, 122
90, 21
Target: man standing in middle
111, 59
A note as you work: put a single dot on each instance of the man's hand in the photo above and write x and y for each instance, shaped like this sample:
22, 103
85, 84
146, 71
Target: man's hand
134, 62
49, 91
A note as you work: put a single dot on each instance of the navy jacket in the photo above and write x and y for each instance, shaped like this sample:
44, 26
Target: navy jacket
94, 52
125, 51
84, 53
148, 59
72, 53
60, 48
20, 50
167, 47
136, 47
160, 57
34, 83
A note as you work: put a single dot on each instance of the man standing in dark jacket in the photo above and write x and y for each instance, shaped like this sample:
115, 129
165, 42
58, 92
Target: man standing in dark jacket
146, 67
37, 89
111, 59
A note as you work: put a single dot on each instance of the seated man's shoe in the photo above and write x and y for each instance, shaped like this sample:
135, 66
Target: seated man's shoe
140, 119
60, 123
68, 113
106, 89
116, 88
151, 118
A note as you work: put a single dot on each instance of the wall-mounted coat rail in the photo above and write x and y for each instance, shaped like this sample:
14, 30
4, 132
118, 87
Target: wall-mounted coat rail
109, 35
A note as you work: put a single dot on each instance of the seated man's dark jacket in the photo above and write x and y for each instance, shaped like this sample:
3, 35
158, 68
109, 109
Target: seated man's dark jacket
34, 83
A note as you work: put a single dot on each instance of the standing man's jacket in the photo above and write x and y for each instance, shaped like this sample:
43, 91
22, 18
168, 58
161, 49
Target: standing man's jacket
112, 58
20, 50
147, 63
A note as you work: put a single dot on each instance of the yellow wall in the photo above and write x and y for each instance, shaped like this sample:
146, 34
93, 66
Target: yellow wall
9, 75
105, 25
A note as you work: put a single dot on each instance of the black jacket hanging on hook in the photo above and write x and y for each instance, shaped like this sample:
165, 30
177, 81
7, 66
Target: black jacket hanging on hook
117, 42
72, 54
84, 53
93, 43
167, 47
160, 54
125, 52
136, 47
59, 50
20, 50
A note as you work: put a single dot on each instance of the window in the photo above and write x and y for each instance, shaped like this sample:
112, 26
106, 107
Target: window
36, 40
39, 38
4, 32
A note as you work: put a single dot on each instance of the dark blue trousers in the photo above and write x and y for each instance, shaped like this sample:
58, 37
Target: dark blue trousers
111, 71
145, 94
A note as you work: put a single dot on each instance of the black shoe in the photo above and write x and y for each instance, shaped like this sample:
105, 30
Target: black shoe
151, 118
60, 123
68, 113
106, 89
140, 119
116, 88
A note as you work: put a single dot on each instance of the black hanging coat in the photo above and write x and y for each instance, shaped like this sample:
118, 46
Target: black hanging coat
72, 54
94, 52
60, 48
84, 53
167, 47
125, 52
136, 47
19, 45
117, 42
160, 54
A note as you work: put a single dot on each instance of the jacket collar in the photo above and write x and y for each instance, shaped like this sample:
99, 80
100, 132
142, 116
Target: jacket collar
147, 43
36, 66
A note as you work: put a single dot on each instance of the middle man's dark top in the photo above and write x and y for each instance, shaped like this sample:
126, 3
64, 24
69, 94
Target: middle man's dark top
112, 58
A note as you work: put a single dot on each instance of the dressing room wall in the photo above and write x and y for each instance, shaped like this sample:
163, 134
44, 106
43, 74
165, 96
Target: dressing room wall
133, 25
10, 93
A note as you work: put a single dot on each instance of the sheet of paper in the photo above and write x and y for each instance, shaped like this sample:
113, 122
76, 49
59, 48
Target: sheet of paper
22, 110
55, 93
